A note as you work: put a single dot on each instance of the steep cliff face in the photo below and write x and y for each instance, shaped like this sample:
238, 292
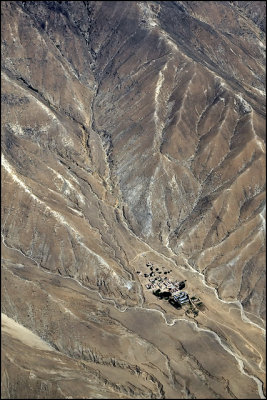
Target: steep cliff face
132, 132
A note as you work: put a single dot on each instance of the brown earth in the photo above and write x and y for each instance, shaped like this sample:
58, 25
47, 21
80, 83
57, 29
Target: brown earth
132, 132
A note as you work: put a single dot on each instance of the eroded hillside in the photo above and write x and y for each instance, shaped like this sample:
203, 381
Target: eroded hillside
132, 133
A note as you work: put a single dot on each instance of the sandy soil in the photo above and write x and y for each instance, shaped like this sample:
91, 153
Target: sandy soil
23, 334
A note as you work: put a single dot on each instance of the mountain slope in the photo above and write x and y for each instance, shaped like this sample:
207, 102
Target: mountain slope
133, 132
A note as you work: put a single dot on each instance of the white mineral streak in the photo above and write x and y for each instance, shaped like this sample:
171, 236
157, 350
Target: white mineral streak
57, 216
242, 313
246, 107
243, 103
263, 218
69, 186
67, 141
259, 141
147, 231
149, 220
262, 146
237, 358
45, 108
61, 276
158, 124
173, 322
202, 277
262, 92
16, 129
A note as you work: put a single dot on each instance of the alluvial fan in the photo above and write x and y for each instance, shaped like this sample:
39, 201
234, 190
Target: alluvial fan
133, 199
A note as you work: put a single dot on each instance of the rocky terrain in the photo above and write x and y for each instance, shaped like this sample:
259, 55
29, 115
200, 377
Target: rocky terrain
132, 132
